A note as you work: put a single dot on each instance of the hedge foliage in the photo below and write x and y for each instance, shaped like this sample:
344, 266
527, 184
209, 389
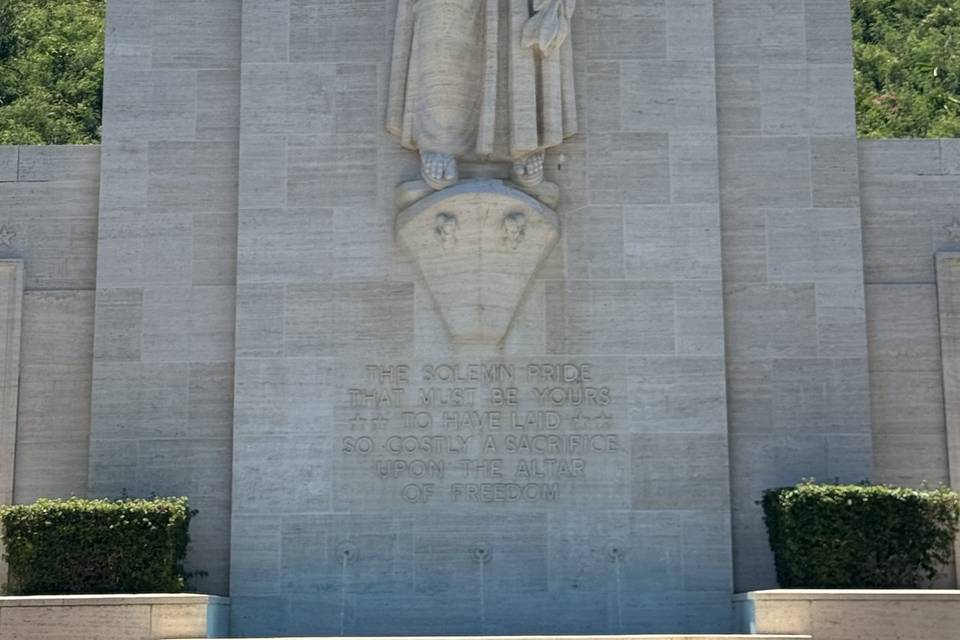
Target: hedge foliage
81, 546
859, 536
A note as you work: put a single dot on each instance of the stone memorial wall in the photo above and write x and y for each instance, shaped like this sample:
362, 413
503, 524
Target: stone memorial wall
551, 458
48, 222
796, 343
426, 370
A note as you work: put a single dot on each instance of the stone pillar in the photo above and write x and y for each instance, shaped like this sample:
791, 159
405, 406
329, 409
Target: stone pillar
948, 291
11, 300
797, 366
11, 305
161, 418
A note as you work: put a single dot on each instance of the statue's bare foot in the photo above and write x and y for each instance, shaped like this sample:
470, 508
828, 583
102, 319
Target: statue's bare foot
439, 170
528, 171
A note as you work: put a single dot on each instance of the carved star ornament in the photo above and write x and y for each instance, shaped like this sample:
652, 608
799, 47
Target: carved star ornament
953, 230
6, 236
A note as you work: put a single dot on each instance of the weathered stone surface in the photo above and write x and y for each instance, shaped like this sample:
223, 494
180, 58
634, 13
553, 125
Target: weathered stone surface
799, 396
134, 617
54, 414
50, 214
9, 162
950, 157
59, 163
908, 190
48, 200
478, 245
837, 615
166, 272
331, 317
448, 100
948, 290
63, 623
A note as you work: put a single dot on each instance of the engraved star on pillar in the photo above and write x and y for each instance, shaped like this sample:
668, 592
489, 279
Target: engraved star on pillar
6, 236
954, 230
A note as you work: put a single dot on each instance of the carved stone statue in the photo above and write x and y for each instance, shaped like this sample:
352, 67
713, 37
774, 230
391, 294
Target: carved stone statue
482, 80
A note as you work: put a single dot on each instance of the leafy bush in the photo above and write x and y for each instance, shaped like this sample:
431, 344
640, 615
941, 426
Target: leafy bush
859, 536
96, 546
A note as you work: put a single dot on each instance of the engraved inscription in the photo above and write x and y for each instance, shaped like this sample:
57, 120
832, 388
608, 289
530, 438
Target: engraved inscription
481, 433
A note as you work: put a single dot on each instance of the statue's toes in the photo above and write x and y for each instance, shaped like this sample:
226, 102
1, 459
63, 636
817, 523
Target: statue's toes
450, 171
438, 170
535, 167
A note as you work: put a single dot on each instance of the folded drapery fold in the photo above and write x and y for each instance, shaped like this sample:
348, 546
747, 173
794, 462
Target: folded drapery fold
465, 82
549, 27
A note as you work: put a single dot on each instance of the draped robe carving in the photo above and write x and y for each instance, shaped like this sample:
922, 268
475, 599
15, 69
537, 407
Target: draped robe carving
485, 81
482, 79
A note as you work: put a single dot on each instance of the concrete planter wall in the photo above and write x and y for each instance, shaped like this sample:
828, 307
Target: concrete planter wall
114, 617
849, 614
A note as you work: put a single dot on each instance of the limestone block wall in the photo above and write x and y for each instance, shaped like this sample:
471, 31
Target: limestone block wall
325, 294
48, 219
114, 617
909, 190
246, 222
799, 403
884, 614
162, 394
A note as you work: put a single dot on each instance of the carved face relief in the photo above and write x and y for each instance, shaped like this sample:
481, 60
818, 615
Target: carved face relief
477, 245
514, 229
446, 230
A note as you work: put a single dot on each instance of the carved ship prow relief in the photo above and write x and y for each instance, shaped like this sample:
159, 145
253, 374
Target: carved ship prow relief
478, 245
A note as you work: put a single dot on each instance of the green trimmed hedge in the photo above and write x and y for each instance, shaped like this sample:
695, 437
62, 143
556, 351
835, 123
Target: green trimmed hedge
859, 536
96, 546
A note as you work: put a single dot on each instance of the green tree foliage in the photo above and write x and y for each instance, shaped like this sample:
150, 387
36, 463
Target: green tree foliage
907, 68
51, 71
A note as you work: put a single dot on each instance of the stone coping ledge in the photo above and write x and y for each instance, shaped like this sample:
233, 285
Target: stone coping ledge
112, 599
850, 594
